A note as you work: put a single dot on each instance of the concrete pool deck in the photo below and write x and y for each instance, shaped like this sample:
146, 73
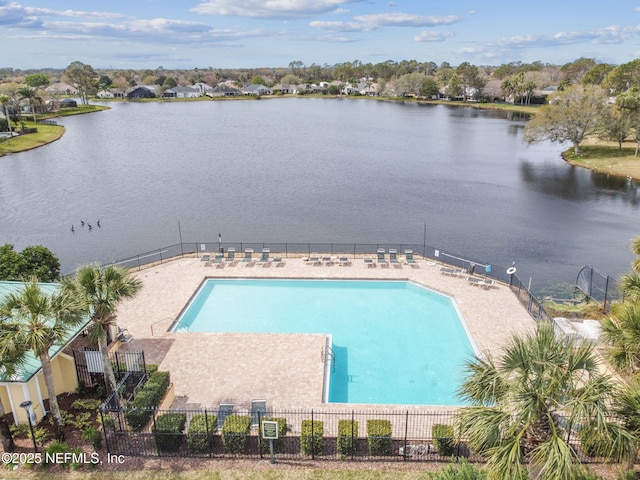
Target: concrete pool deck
286, 370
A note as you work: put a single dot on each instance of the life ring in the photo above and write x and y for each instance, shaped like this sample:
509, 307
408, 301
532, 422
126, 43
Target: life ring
511, 270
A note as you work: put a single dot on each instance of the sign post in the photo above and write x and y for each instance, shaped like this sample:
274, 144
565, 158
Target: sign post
270, 432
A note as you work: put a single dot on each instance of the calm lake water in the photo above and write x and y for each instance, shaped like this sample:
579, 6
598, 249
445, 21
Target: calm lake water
316, 170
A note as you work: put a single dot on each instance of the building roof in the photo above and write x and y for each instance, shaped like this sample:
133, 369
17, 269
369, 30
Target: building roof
32, 364
179, 88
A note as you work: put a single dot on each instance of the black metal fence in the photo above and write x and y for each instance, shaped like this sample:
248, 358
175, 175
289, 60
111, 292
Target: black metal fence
495, 272
129, 368
313, 435
304, 434
596, 285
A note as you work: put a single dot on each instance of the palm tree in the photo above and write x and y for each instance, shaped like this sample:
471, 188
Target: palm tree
10, 362
522, 403
635, 248
36, 321
31, 94
508, 89
4, 101
100, 291
621, 333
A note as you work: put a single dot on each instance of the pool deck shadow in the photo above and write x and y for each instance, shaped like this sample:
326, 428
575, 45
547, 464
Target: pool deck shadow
286, 370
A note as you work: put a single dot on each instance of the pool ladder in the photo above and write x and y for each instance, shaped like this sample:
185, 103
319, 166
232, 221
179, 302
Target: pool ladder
327, 355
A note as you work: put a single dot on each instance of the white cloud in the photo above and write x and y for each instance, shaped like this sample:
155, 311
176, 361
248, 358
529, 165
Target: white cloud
368, 23
405, 20
158, 30
12, 13
341, 26
270, 9
69, 13
608, 35
431, 36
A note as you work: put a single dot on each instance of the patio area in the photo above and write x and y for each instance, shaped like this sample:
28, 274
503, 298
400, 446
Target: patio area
285, 369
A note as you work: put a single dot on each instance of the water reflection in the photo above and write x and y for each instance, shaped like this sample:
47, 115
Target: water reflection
575, 183
515, 129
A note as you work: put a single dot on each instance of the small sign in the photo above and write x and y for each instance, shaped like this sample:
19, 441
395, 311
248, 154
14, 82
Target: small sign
270, 430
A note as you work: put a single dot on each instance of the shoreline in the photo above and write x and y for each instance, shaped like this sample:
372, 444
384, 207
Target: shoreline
602, 164
606, 158
46, 134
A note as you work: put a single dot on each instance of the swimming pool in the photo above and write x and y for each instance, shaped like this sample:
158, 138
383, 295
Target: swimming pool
394, 342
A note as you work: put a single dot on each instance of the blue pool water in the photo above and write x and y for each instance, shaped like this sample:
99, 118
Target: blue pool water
394, 342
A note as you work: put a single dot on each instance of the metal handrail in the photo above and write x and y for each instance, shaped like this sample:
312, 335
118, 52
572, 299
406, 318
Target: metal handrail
327, 355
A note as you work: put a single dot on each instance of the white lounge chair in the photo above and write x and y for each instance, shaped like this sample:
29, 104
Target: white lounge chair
452, 272
248, 257
408, 257
264, 259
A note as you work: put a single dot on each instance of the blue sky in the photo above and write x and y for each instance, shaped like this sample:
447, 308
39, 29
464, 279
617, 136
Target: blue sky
272, 33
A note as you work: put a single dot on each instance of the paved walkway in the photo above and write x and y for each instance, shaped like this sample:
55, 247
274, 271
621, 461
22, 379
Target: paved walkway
212, 368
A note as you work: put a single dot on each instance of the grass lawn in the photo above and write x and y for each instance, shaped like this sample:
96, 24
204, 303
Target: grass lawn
223, 474
46, 134
606, 472
607, 158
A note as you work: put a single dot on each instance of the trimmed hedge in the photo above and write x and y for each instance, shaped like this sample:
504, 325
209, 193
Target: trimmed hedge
148, 397
379, 437
311, 440
282, 432
235, 431
168, 430
347, 436
198, 439
443, 439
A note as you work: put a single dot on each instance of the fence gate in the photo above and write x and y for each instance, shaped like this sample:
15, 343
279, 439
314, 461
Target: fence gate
596, 285
128, 362
86, 366
90, 371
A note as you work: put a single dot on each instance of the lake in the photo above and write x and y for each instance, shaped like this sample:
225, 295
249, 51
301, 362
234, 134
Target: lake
316, 170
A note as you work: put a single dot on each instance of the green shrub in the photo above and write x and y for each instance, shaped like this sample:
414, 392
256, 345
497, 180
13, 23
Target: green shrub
627, 475
21, 430
80, 421
42, 435
168, 430
147, 398
461, 471
443, 439
198, 439
278, 444
379, 437
311, 437
86, 404
594, 444
49, 454
93, 436
78, 454
347, 437
235, 431
585, 474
